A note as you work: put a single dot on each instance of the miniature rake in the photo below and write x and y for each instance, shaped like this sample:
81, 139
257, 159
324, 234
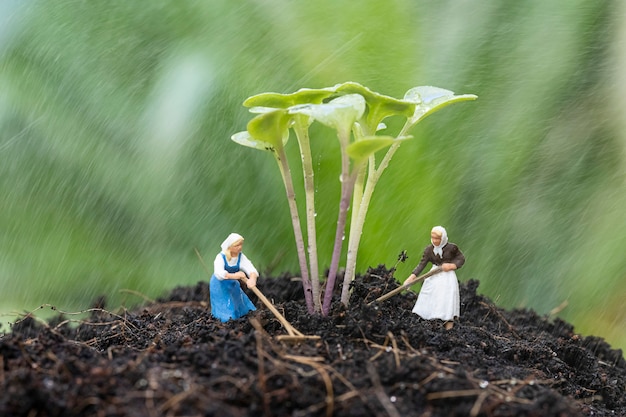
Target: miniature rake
405, 286
294, 335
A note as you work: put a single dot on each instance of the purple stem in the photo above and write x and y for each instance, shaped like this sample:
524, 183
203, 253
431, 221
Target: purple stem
347, 185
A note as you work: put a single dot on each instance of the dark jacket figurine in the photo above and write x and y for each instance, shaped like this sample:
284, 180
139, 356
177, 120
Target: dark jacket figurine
439, 296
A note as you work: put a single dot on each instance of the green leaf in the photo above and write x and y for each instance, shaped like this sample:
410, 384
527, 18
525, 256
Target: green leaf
369, 145
379, 105
431, 99
340, 113
283, 101
261, 109
245, 139
271, 128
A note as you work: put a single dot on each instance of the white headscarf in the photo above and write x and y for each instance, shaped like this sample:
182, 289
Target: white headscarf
232, 238
444, 240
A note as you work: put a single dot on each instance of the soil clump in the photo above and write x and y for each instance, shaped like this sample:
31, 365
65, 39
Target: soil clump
171, 358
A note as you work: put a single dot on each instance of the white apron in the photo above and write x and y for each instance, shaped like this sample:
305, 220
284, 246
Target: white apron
439, 297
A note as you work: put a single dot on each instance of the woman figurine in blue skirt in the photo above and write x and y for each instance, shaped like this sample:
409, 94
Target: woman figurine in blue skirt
228, 301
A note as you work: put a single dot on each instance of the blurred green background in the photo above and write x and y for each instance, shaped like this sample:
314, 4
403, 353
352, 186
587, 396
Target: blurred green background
116, 162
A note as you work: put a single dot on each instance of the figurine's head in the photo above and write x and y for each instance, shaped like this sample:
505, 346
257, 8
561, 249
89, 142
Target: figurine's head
438, 236
231, 247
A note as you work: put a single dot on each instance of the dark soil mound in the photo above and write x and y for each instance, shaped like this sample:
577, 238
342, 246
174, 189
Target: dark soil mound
171, 358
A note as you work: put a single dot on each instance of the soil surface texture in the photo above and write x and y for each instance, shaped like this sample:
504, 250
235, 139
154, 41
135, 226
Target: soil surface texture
169, 357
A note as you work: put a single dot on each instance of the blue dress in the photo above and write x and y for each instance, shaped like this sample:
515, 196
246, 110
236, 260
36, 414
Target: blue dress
228, 301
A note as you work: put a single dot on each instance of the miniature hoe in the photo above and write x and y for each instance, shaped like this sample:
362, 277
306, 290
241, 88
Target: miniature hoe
405, 286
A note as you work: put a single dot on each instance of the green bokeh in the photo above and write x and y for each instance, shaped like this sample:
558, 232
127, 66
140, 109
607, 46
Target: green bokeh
116, 162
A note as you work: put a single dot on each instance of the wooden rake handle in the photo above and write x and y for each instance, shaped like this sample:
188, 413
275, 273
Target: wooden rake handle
406, 285
290, 329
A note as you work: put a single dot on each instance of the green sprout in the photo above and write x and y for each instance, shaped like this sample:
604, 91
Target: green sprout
356, 114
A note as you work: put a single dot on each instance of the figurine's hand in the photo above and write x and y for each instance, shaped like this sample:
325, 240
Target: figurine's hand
448, 267
237, 275
410, 279
251, 282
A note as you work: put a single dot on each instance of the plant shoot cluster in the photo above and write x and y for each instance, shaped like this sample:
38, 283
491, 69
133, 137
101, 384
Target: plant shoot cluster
356, 113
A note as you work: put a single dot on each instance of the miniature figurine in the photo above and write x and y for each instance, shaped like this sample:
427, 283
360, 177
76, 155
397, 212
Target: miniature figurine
228, 301
439, 296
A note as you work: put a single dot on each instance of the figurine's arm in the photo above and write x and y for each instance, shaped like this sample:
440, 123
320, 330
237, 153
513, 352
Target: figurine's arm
218, 267
457, 261
420, 267
459, 258
410, 279
448, 266
250, 271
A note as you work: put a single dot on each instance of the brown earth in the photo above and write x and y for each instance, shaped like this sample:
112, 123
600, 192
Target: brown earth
171, 358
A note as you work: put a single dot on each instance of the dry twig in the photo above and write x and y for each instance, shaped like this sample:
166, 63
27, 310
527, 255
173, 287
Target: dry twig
380, 392
258, 334
501, 317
